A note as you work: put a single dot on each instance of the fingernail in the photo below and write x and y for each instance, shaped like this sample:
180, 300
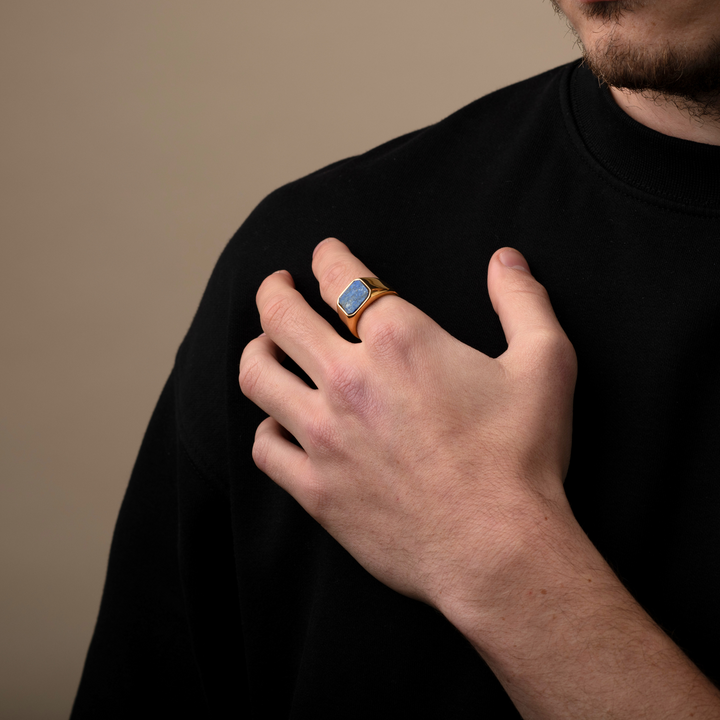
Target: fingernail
277, 272
322, 242
513, 259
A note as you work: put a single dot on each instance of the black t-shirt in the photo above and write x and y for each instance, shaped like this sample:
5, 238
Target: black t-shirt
224, 598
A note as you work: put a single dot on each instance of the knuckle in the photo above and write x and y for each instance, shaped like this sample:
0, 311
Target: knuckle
251, 371
528, 287
556, 344
261, 452
327, 245
554, 352
275, 311
335, 275
322, 435
566, 360
547, 340
389, 335
347, 386
541, 345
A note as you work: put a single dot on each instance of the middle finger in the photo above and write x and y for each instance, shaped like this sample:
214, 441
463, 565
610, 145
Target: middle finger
295, 327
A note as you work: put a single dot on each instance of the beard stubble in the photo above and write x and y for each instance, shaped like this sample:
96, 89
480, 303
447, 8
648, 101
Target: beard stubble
686, 75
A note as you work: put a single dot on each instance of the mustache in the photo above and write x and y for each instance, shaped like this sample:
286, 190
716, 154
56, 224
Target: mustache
611, 11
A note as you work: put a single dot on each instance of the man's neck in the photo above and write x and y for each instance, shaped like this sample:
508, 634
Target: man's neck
665, 117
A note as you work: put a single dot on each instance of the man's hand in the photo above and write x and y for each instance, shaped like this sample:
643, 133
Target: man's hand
440, 470
429, 461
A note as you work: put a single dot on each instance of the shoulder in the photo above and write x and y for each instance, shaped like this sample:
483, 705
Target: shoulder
500, 114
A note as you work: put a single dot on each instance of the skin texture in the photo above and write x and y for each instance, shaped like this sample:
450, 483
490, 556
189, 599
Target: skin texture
462, 507
661, 59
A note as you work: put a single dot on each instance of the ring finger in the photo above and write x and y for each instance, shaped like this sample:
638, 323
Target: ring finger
295, 327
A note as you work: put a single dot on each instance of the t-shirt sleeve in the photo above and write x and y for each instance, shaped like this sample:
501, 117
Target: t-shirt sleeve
170, 587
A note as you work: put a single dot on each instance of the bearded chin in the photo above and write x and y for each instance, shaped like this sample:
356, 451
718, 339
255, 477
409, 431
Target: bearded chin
686, 75
689, 77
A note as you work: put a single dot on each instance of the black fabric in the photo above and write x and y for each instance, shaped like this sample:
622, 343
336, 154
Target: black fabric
224, 598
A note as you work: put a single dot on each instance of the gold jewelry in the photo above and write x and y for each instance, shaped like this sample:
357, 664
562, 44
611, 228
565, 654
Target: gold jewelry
353, 300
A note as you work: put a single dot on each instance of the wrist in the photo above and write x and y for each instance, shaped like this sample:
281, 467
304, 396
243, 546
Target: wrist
566, 639
545, 564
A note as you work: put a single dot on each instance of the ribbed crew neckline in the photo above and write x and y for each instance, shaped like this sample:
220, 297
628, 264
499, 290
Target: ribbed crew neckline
677, 170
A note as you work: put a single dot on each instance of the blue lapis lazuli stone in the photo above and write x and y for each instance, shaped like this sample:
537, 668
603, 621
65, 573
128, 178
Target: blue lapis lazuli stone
354, 295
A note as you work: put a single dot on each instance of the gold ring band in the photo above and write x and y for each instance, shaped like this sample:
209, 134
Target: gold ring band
353, 300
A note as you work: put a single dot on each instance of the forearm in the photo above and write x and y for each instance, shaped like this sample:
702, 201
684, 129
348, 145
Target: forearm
567, 640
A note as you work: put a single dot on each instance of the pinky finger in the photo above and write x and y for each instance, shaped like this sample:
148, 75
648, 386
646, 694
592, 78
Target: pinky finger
279, 458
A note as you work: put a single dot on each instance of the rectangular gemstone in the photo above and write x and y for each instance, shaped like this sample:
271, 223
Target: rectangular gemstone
354, 295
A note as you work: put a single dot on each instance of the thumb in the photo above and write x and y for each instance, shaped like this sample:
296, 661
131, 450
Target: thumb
520, 301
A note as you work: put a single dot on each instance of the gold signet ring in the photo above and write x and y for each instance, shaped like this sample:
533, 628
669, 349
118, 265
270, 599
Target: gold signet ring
360, 293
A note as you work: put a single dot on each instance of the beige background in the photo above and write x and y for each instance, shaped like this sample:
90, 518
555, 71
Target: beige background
136, 136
